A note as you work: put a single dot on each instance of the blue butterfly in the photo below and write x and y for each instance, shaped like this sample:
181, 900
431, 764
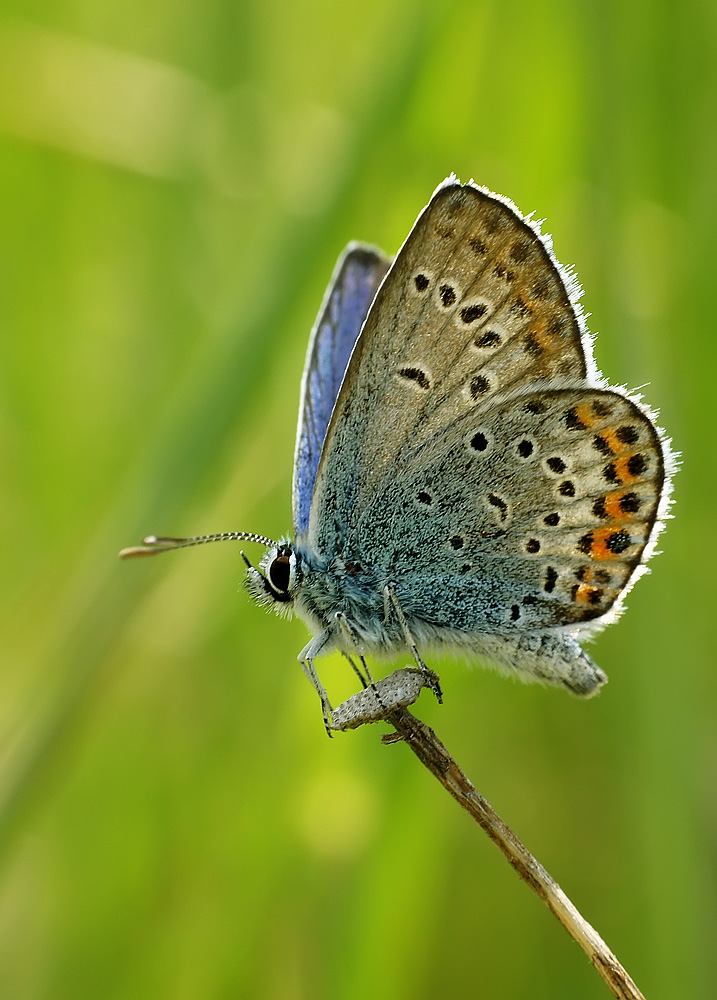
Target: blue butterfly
464, 477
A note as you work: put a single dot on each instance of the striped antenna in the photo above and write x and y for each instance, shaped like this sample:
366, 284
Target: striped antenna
152, 545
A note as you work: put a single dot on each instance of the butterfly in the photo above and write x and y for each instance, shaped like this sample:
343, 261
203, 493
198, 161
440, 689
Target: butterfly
464, 477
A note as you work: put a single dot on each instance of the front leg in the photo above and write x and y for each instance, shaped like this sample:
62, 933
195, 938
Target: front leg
306, 658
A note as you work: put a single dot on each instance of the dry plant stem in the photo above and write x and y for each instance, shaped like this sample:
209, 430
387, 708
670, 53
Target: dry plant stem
431, 752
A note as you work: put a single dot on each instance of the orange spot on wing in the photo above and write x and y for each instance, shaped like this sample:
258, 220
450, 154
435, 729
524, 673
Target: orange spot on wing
599, 549
613, 510
612, 440
622, 470
538, 329
584, 414
583, 594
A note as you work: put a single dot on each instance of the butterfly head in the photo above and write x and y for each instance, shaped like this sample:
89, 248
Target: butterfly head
274, 583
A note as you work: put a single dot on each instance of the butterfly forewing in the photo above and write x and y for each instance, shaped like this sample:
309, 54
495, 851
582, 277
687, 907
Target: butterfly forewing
473, 307
358, 273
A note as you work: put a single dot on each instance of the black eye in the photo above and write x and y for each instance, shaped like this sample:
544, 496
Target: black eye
279, 573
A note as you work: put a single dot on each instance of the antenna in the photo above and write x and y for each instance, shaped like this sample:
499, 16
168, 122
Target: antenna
152, 545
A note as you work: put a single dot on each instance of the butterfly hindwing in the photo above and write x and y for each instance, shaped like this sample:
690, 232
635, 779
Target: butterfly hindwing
529, 514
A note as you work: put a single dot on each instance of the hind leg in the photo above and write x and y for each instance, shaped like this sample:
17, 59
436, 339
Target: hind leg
432, 678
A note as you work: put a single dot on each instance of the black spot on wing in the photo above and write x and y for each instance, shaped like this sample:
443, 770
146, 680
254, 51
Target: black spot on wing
415, 375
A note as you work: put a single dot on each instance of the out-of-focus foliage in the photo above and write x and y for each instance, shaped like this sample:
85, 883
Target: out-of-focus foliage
176, 181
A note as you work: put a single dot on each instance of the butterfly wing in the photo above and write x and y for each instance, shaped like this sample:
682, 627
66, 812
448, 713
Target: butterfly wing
475, 306
358, 274
542, 520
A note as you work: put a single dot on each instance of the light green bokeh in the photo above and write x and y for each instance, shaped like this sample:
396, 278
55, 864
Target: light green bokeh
176, 182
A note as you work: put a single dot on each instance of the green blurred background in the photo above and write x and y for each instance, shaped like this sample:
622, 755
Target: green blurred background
176, 182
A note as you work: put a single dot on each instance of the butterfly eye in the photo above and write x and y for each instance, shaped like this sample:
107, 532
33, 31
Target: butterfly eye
279, 572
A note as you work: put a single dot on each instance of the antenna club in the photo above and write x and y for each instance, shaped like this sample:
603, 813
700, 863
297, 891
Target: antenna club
137, 551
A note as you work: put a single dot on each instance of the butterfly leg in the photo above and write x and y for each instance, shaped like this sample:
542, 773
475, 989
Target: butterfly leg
357, 670
365, 677
432, 679
306, 658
